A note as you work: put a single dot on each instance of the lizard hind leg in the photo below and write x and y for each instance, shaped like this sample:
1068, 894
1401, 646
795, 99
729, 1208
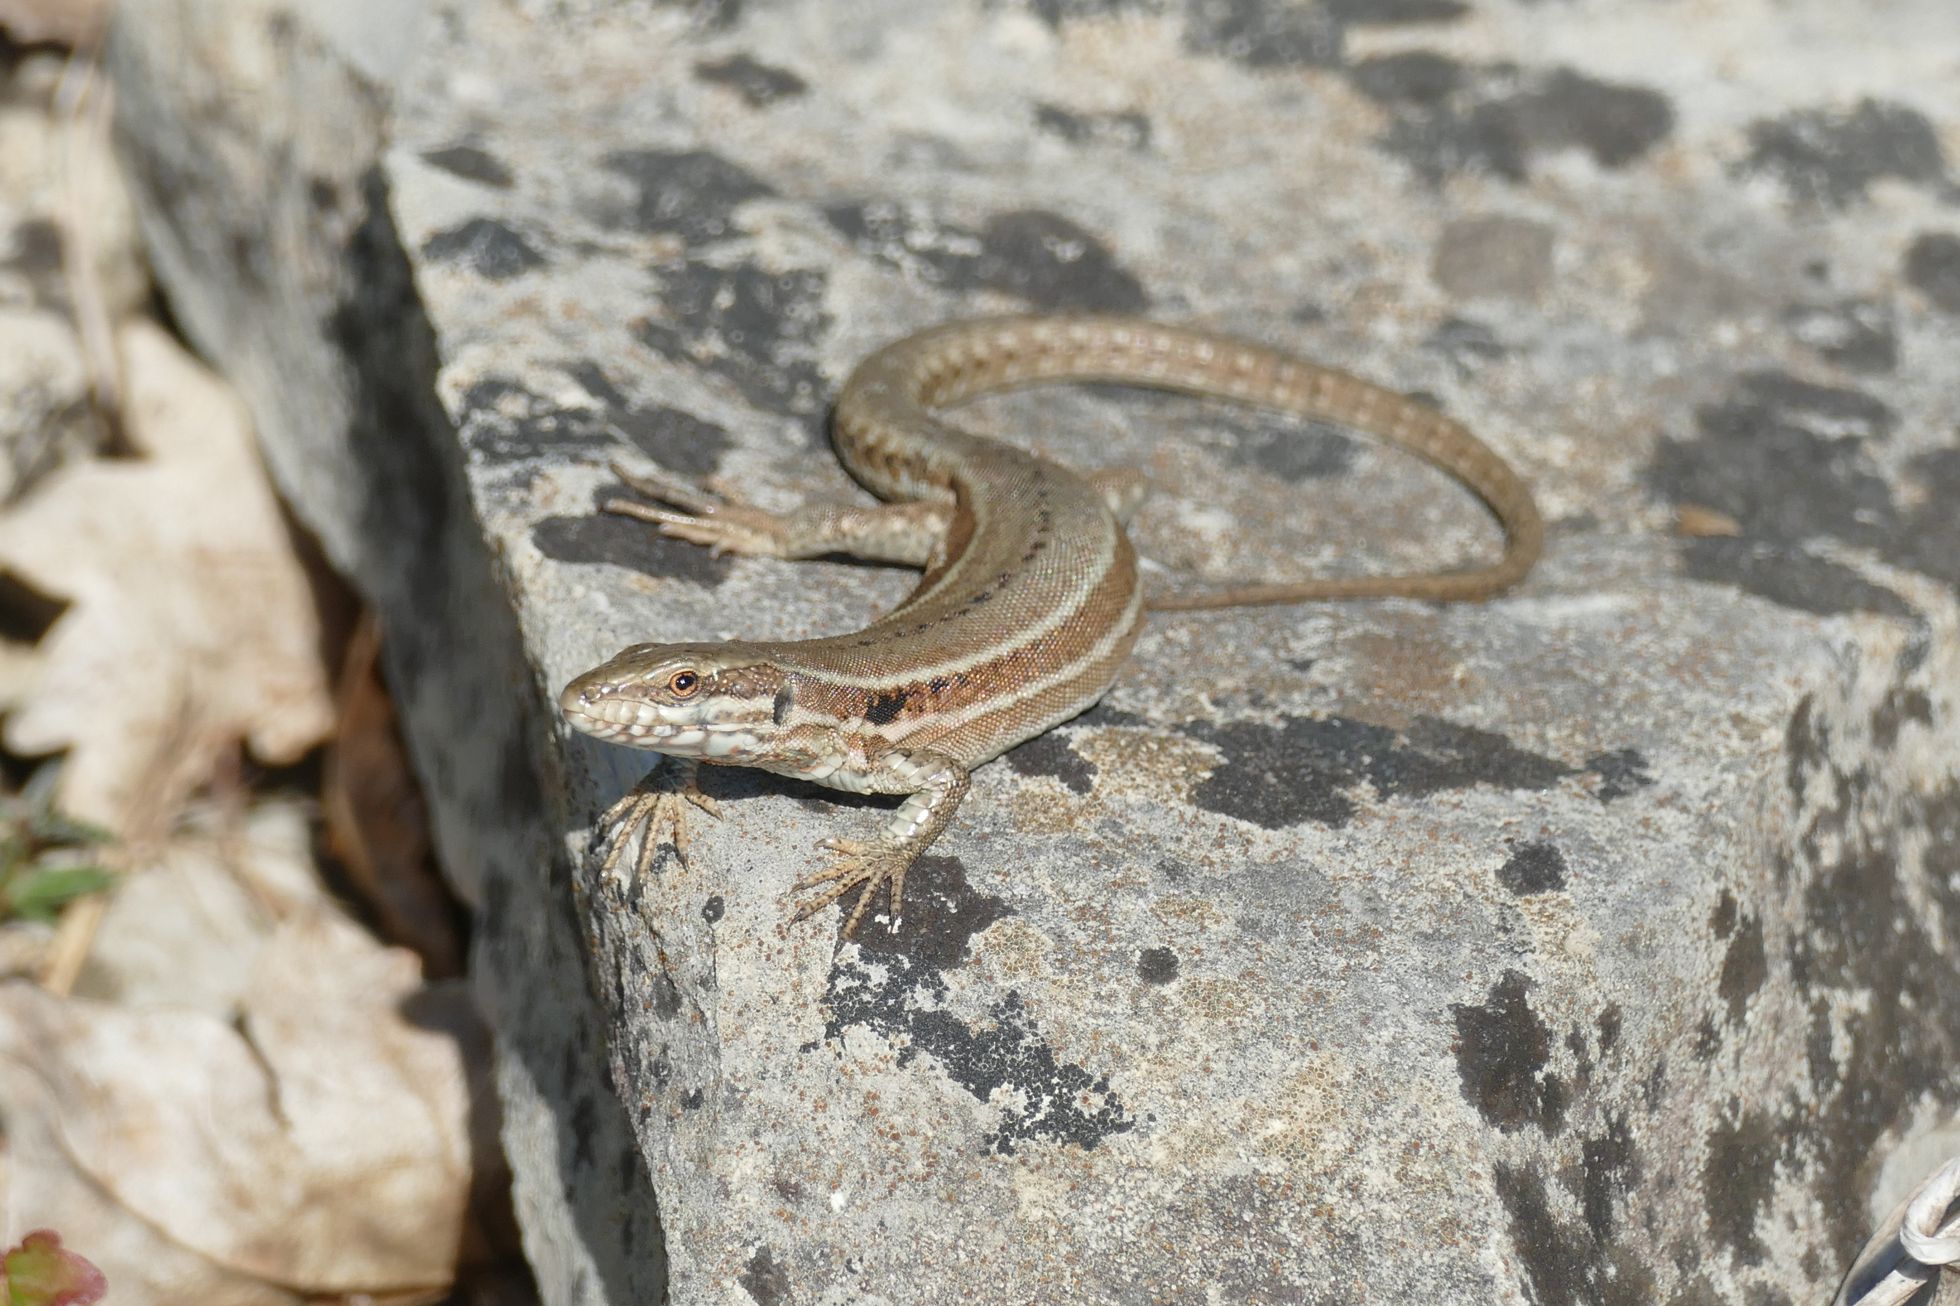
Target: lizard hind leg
903, 533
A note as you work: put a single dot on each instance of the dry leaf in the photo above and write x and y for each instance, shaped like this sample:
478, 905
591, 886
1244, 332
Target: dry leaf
377, 822
185, 926
191, 623
64, 22
318, 1144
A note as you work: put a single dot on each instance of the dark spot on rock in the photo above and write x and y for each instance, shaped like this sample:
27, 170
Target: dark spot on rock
692, 1099
1575, 1043
1383, 12
1653, 1089
1620, 772
1262, 35
1496, 256
1615, 124
1002, 1060
664, 1000
1856, 334
1608, 1024
711, 15
1414, 77
1057, 12
1157, 965
713, 909
1831, 156
1465, 343
1609, 1168
677, 439
322, 196
1051, 755
1566, 1261
1744, 968
1502, 1049
1721, 918
1928, 539
692, 194
1867, 951
472, 163
1786, 459
758, 330
758, 83
1127, 130
610, 538
493, 250
1900, 705
944, 913
1737, 1180
1040, 257
1300, 769
1295, 452
1053, 263
501, 421
1708, 1039
1790, 577
1932, 267
764, 1280
1451, 119
1818, 1055
883, 709
1534, 868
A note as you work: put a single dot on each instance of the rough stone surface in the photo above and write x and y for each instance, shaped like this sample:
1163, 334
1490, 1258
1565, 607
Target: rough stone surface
1594, 945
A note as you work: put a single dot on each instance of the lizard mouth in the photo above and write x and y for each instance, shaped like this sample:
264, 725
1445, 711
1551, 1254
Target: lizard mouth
639, 725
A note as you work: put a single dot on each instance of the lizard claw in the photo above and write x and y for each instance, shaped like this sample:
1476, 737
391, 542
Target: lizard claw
870, 864
707, 516
658, 813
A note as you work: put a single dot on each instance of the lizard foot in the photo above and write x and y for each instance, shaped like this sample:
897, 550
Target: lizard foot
657, 811
706, 516
870, 864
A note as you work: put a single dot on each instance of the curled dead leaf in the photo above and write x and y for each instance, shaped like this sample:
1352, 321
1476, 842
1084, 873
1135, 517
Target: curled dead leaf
191, 623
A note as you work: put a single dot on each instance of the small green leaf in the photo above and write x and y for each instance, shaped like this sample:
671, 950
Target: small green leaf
38, 894
40, 1272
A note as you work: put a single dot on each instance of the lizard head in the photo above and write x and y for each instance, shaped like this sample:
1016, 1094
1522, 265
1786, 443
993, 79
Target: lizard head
713, 701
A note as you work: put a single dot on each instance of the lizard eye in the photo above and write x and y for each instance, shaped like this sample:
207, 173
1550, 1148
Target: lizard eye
683, 683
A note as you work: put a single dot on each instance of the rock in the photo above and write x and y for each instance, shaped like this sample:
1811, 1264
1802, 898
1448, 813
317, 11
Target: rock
1590, 945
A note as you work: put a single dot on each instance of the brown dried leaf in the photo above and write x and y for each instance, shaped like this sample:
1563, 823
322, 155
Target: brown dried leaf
191, 625
318, 1144
377, 823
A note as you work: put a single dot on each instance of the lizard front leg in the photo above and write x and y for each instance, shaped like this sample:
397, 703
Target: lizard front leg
936, 784
656, 807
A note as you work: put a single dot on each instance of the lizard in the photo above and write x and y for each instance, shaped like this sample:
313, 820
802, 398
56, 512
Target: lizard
1030, 599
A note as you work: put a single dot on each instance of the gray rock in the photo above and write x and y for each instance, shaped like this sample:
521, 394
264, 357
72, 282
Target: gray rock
1591, 945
